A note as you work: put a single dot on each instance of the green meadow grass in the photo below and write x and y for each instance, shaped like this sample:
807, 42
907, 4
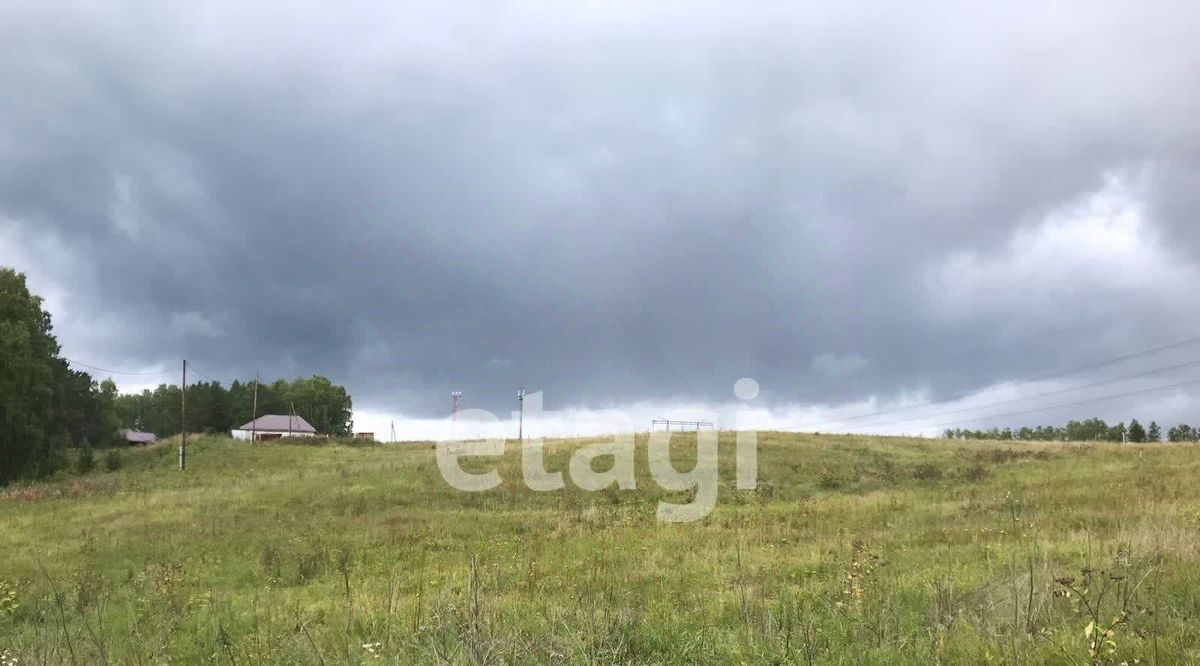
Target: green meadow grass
851, 550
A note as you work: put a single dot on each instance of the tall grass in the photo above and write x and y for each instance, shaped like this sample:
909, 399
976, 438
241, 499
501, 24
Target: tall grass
851, 550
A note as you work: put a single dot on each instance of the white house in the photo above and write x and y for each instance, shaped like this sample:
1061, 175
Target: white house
274, 426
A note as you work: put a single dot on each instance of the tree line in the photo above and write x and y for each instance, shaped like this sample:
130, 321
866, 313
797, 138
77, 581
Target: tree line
47, 407
1088, 430
214, 408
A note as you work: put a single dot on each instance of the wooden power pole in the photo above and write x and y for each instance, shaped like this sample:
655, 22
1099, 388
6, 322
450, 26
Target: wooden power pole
254, 412
183, 420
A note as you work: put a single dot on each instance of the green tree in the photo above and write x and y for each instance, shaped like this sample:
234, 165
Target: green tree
76, 403
1154, 433
1181, 433
154, 411
1089, 430
208, 408
133, 410
86, 461
240, 400
107, 420
1136, 432
29, 375
87, 410
1118, 432
322, 403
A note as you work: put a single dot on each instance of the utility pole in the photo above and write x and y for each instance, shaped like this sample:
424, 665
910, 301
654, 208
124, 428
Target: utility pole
521, 421
455, 398
393, 432
291, 416
254, 412
183, 420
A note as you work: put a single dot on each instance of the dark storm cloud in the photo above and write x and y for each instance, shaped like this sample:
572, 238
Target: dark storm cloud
608, 202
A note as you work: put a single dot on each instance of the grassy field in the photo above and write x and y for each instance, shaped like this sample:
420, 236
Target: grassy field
851, 550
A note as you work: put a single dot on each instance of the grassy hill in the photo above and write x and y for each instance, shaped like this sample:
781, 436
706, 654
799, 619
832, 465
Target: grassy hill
852, 550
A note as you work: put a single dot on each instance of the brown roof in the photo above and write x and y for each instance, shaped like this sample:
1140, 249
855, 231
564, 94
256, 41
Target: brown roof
279, 423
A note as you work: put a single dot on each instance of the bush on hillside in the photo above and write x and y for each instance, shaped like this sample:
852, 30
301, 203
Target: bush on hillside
927, 472
112, 460
86, 461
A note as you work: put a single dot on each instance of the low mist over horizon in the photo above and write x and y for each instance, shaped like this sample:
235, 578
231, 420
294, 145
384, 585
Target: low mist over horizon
895, 219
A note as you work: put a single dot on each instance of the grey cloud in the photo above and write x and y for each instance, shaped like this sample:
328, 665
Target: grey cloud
622, 202
833, 365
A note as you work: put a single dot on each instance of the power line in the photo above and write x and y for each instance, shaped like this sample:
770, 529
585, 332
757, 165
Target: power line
1036, 378
116, 372
1066, 404
193, 368
1046, 394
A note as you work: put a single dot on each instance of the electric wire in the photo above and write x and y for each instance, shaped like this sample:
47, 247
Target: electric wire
1035, 410
1046, 394
1024, 382
115, 372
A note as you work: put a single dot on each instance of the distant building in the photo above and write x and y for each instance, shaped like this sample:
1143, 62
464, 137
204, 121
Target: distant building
134, 437
364, 435
274, 426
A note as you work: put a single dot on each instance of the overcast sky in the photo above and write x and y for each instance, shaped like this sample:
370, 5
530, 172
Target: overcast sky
620, 204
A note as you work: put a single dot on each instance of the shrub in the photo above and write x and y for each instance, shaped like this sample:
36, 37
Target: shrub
927, 472
830, 480
974, 473
86, 590
312, 564
272, 563
86, 461
112, 460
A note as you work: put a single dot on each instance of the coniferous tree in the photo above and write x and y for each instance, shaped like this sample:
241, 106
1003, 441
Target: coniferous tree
1137, 433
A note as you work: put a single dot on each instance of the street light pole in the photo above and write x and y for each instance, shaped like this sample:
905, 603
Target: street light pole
521, 418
